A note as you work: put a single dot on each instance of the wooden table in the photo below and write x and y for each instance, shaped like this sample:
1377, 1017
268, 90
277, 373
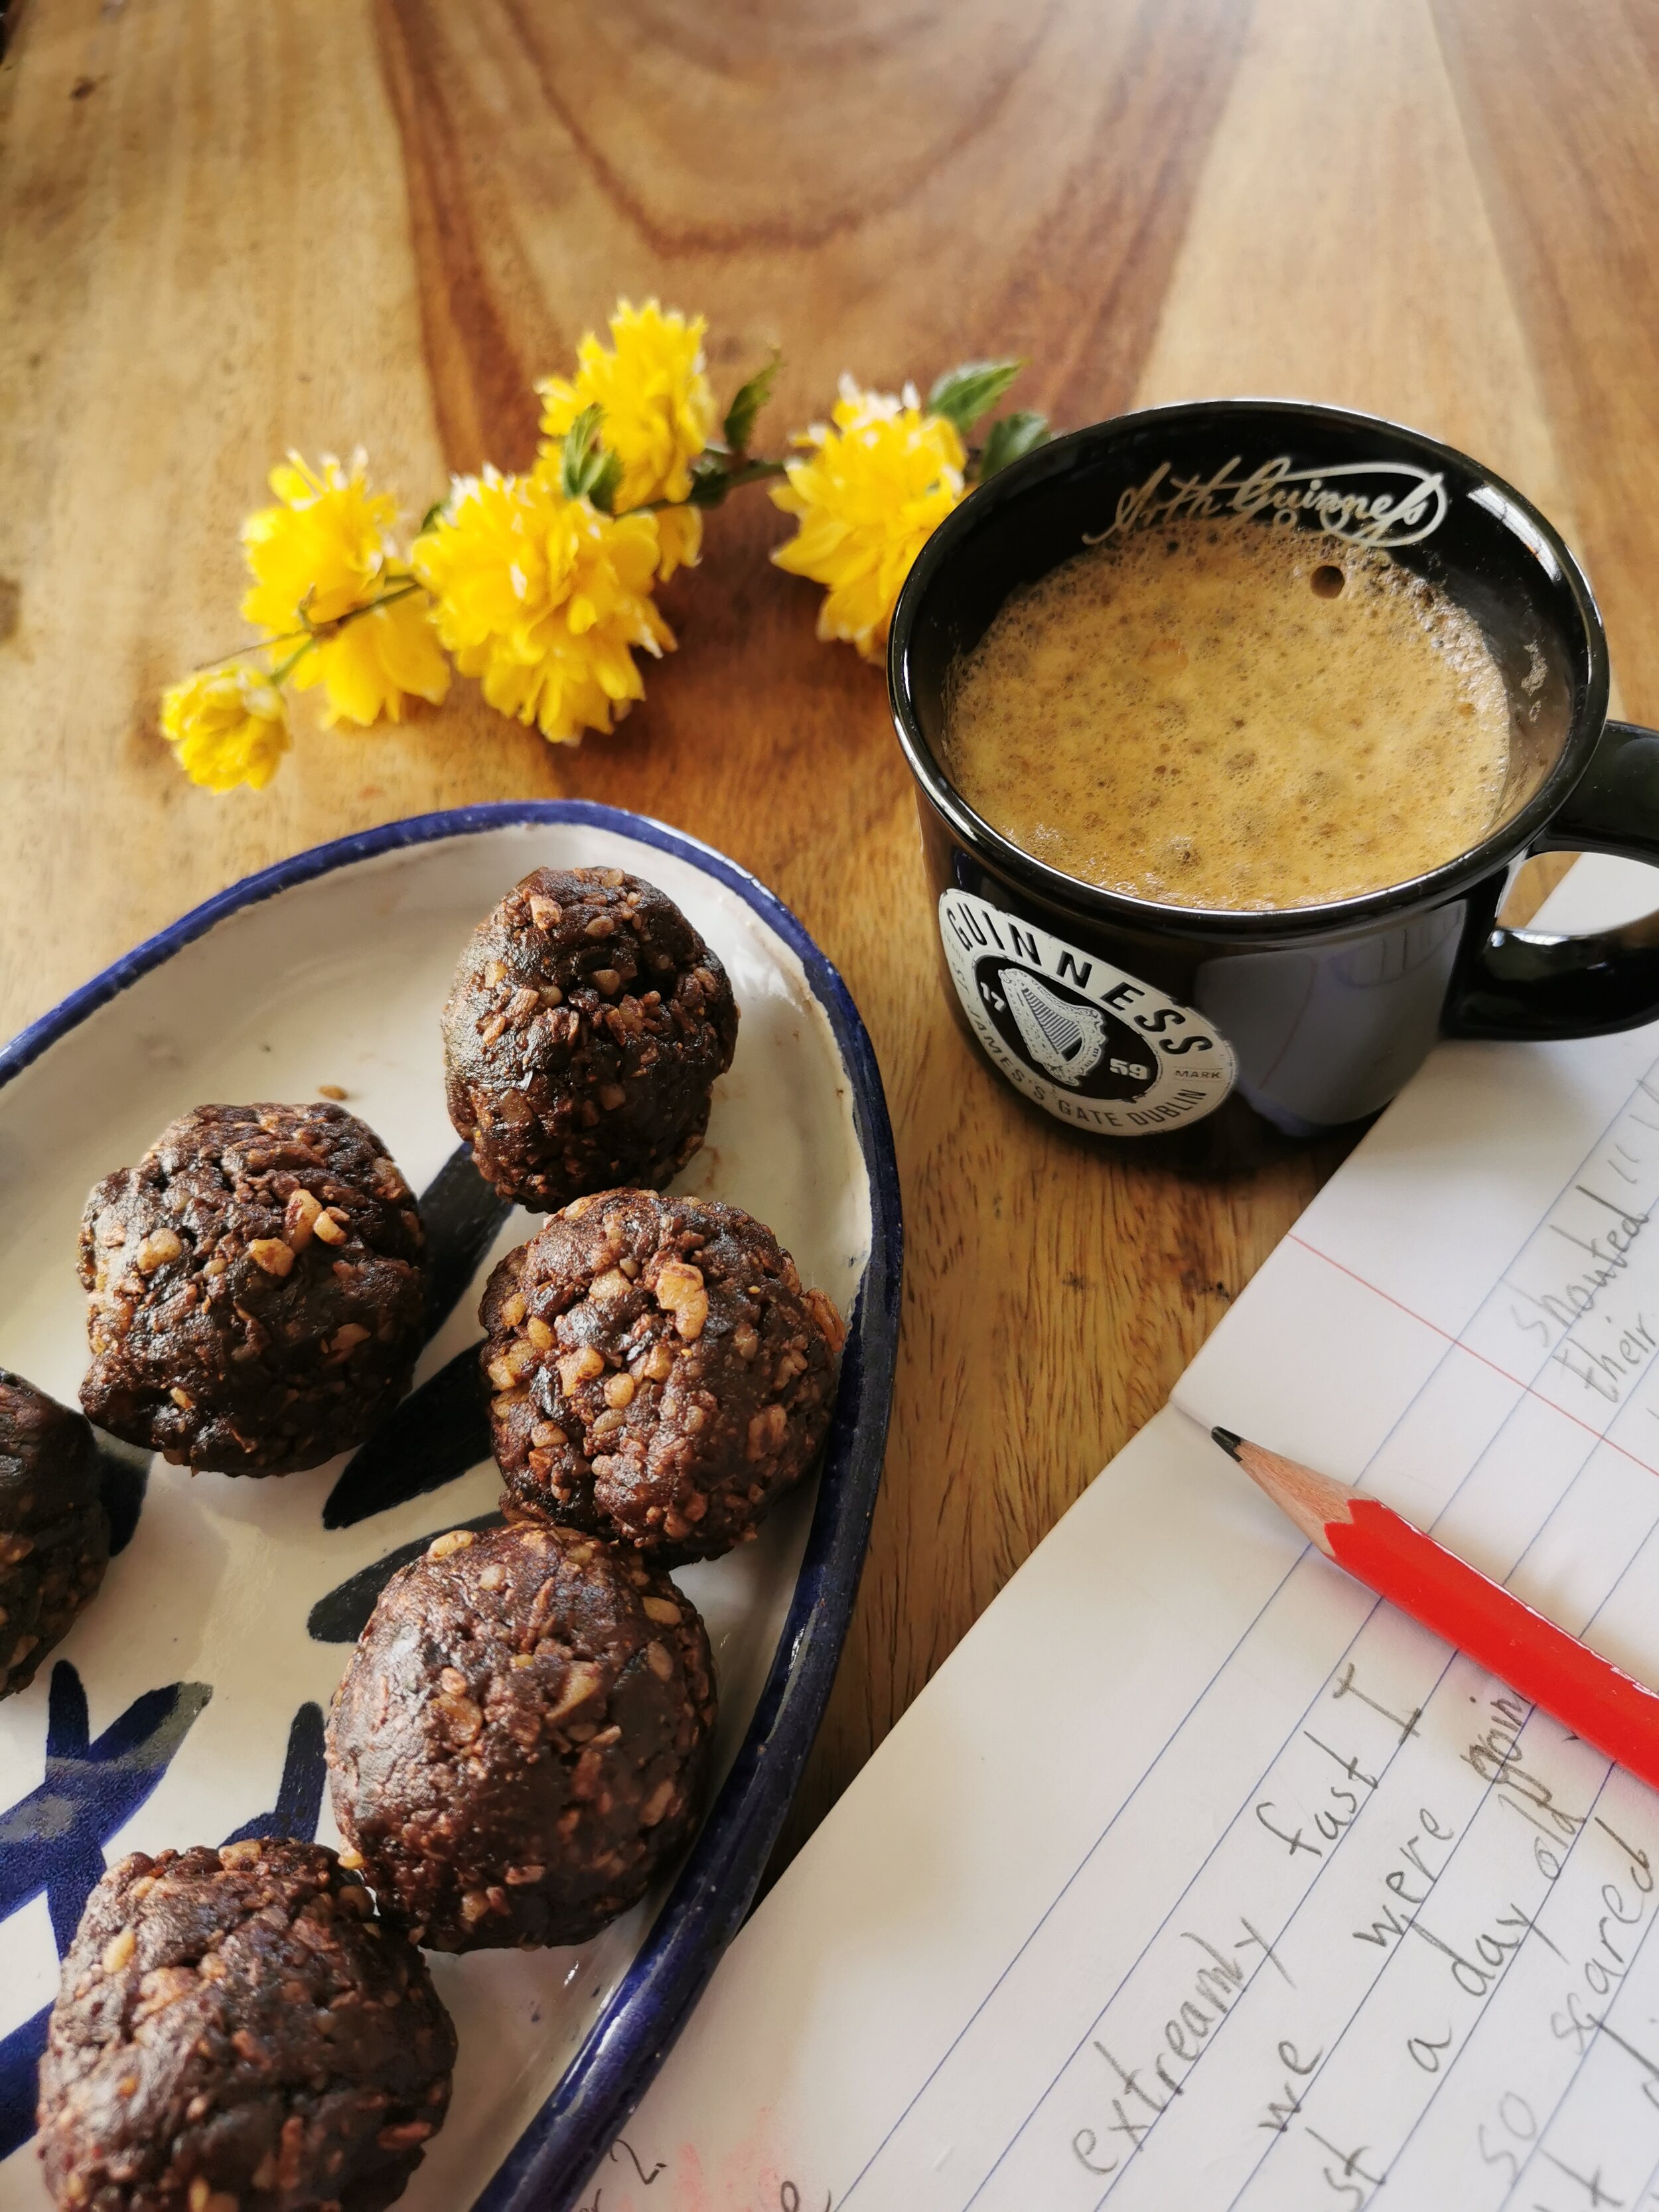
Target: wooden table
227, 228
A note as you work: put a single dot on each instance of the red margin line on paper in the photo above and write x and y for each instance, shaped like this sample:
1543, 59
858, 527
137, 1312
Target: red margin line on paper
1457, 1343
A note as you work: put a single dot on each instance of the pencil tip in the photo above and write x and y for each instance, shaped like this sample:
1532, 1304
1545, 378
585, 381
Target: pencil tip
1228, 1441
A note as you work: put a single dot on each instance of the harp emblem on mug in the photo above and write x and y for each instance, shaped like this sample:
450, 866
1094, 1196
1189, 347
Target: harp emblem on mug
1067, 1041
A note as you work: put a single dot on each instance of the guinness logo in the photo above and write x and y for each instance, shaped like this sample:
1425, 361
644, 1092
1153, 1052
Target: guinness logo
1095, 1048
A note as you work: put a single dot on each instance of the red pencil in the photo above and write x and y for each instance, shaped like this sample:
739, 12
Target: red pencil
1549, 1667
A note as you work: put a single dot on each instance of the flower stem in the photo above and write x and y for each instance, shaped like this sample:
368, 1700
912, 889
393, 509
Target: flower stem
747, 472
315, 633
280, 674
754, 472
404, 587
240, 652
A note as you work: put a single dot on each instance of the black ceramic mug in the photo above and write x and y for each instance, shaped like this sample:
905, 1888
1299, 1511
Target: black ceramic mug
1125, 1018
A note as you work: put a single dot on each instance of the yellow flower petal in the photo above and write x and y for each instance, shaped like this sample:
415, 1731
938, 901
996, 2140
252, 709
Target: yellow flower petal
680, 529
544, 600
873, 486
370, 666
229, 726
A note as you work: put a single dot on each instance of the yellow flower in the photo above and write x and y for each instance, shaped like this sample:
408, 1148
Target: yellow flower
881, 478
658, 411
322, 551
230, 725
543, 599
320, 560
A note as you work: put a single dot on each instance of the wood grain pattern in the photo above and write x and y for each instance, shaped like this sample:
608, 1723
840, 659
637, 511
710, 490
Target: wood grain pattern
226, 230
1264, 297
1557, 110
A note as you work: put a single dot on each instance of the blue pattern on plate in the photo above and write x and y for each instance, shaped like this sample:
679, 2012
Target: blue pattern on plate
299, 1804
439, 1430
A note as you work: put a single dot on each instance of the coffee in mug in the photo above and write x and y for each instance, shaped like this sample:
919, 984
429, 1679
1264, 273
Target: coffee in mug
1231, 716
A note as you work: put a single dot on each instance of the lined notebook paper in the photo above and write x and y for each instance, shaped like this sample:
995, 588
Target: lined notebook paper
1200, 1880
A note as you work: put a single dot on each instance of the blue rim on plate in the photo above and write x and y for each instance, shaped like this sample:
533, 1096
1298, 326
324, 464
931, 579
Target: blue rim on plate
717, 1882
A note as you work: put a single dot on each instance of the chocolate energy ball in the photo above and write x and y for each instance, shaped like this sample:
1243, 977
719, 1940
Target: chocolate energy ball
258, 1289
659, 1375
54, 1532
521, 1738
583, 1034
236, 2029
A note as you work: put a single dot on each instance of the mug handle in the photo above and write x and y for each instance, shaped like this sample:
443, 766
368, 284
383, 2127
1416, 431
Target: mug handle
1532, 985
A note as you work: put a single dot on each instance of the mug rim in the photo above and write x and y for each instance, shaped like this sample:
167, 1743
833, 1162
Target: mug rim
1053, 886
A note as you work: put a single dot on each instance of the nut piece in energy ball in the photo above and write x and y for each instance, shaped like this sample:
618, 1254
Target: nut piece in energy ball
521, 1738
582, 1035
235, 2027
258, 1289
54, 1532
657, 1374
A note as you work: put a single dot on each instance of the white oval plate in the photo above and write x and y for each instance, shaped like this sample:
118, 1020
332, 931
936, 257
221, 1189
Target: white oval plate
185, 1705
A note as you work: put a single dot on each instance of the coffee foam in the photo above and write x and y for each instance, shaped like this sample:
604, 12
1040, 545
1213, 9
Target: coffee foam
1204, 716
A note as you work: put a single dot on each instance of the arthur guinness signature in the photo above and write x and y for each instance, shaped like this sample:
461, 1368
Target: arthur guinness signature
1411, 506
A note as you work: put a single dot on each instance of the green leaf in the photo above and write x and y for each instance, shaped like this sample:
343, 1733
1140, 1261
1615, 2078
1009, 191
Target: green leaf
436, 512
582, 459
1008, 438
741, 415
606, 484
963, 395
711, 478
